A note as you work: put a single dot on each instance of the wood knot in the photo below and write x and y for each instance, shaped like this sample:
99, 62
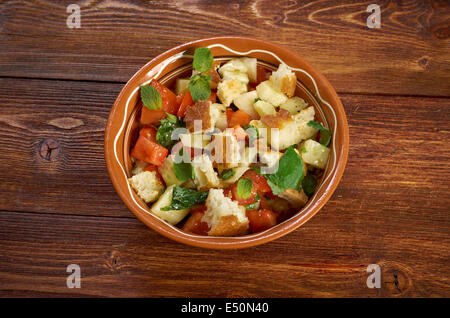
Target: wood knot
49, 149
396, 278
424, 63
442, 33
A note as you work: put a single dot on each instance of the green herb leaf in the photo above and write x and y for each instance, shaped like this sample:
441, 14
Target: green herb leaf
227, 174
184, 198
184, 171
150, 97
244, 188
289, 174
256, 100
203, 59
165, 130
171, 118
325, 133
199, 87
309, 184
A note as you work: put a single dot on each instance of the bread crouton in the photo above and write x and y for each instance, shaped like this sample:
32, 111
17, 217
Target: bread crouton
147, 185
205, 176
269, 93
202, 116
284, 80
228, 90
302, 119
245, 102
224, 216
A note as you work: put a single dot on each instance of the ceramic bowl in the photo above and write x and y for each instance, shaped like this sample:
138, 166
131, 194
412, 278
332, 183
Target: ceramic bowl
311, 86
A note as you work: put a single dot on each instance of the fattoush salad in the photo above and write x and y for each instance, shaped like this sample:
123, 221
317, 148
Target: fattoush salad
228, 151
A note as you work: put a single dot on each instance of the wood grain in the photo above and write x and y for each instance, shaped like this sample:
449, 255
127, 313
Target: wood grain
120, 257
398, 147
52, 134
58, 206
408, 55
391, 208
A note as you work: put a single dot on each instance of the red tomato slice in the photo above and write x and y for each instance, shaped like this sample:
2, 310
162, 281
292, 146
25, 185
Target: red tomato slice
149, 116
259, 182
169, 104
238, 117
149, 133
213, 97
187, 101
179, 99
149, 151
243, 201
260, 220
194, 223
169, 99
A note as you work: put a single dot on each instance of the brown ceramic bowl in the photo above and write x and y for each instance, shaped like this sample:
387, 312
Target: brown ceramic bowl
311, 86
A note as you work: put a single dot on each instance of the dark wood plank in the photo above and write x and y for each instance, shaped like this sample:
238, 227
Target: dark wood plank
408, 55
398, 151
52, 134
112, 252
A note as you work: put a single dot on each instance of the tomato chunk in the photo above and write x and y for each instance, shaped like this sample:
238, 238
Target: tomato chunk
194, 223
149, 133
149, 151
238, 117
261, 220
243, 201
149, 116
187, 101
259, 182
169, 104
213, 97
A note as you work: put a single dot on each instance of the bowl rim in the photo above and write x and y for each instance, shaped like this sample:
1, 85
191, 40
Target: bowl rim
277, 231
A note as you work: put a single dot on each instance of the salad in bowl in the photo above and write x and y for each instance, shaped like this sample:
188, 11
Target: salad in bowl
228, 149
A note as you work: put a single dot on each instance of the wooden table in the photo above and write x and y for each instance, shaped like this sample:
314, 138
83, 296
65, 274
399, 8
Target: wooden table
58, 206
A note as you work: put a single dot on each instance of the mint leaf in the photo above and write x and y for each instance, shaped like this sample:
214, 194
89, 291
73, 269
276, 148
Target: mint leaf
183, 198
183, 171
171, 118
203, 59
289, 174
150, 97
165, 130
199, 87
256, 100
325, 133
227, 174
244, 188
309, 184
